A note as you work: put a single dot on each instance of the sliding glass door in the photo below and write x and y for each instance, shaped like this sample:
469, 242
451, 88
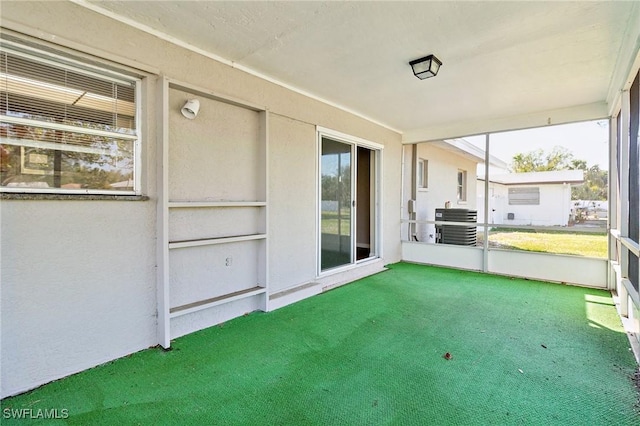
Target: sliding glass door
336, 204
348, 220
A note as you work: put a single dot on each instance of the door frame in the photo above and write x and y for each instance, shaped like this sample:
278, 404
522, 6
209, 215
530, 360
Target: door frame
377, 203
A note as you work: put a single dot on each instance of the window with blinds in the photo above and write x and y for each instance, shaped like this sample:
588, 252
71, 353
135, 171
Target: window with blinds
524, 196
65, 128
462, 185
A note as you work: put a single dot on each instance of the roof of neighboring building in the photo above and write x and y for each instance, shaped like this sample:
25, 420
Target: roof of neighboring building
470, 151
557, 176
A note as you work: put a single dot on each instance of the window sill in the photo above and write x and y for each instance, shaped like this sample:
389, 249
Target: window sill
72, 197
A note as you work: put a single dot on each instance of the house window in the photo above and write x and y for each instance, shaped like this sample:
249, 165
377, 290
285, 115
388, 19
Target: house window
462, 185
65, 126
423, 173
524, 196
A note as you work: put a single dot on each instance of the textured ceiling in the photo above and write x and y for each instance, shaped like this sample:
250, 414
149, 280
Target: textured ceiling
499, 58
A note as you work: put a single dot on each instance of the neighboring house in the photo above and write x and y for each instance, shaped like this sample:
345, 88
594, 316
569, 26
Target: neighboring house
445, 176
535, 198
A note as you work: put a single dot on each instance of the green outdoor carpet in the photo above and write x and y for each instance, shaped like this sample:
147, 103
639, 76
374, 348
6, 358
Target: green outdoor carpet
373, 352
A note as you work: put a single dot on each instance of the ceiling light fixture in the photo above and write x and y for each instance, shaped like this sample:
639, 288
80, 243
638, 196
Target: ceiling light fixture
426, 67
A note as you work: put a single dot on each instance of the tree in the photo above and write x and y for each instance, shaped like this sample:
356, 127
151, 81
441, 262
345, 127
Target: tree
338, 188
560, 158
595, 186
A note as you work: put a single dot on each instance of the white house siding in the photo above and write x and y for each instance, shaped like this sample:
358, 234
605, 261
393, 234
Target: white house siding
79, 277
442, 186
554, 208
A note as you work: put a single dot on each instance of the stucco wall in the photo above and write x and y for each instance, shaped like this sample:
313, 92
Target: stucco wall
554, 208
291, 210
443, 168
78, 286
79, 277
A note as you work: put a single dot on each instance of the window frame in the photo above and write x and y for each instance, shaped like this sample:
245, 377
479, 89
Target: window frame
376, 201
422, 180
96, 69
461, 186
523, 196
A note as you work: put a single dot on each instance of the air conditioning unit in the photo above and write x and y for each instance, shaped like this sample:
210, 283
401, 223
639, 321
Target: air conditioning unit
459, 235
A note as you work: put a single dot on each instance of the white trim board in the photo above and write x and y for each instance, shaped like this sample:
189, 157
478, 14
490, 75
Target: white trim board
574, 270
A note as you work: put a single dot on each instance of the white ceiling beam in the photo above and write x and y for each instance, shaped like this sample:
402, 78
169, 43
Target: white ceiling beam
464, 128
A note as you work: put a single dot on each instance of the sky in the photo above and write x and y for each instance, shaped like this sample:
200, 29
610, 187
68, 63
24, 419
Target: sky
587, 141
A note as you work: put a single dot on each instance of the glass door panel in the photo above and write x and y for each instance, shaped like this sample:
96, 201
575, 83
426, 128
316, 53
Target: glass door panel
336, 204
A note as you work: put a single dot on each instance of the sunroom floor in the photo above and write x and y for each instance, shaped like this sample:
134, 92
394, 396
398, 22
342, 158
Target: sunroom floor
374, 352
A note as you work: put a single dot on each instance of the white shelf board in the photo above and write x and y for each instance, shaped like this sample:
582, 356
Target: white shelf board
215, 301
196, 204
213, 241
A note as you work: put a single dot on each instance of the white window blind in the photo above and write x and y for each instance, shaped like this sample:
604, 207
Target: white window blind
524, 196
462, 185
65, 128
423, 173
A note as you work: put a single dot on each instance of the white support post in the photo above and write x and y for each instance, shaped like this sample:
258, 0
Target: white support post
637, 136
624, 174
613, 198
625, 115
163, 330
263, 261
485, 242
414, 192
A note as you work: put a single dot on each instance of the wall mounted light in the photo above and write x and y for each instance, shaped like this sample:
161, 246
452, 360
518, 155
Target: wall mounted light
425, 67
191, 108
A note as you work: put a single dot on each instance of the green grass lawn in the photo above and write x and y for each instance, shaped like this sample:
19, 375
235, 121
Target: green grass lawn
329, 224
579, 244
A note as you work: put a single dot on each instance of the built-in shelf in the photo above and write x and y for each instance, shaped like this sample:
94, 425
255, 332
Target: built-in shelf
211, 198
196, 204
215, 301
213, 241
